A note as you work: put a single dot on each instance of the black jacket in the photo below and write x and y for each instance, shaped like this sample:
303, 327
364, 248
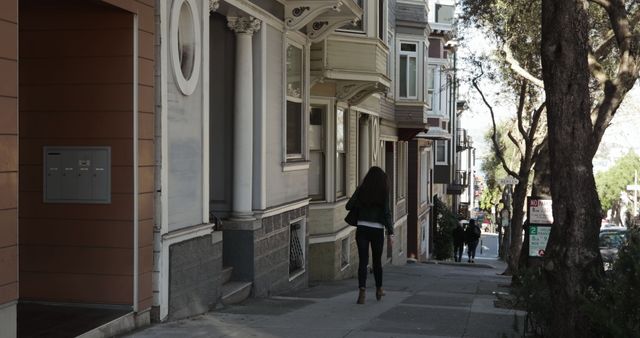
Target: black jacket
380, 215
458, 236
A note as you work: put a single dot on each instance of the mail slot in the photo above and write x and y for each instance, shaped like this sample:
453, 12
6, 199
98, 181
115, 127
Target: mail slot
77, 174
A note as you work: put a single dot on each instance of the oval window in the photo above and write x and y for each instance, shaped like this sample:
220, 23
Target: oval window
185, 45
186, 41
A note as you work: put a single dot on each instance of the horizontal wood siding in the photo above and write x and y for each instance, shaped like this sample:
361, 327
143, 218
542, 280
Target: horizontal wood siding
76, 89
8, 151
340, 55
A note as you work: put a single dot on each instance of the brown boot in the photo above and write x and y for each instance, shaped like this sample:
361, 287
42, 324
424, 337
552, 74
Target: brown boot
361, 295
379, 293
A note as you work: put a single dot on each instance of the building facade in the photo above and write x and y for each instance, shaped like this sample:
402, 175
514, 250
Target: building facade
171, 155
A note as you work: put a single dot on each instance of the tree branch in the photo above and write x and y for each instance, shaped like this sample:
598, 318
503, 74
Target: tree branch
515, 66
606, 45
494, 137
535, 120
627, 74
597, 70
516, 143
538, 148
523, 96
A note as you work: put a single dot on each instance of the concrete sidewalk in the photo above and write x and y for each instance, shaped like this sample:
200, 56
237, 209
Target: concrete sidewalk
422, 300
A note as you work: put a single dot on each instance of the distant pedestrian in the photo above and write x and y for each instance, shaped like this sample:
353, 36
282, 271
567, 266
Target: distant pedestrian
472, 236
370, 202
458, 242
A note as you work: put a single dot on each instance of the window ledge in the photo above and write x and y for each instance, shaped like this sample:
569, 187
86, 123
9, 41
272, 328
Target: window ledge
295, 165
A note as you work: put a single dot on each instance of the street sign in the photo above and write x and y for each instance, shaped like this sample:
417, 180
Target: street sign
508, 180
540, 211
538, 238
633, 187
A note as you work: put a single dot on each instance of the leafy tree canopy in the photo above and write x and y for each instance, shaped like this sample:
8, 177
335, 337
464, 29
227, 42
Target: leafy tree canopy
611, 182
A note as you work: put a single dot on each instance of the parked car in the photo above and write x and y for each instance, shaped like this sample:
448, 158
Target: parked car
611, 240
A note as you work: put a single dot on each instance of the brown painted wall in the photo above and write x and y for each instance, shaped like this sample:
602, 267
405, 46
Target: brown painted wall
76, 88
8, 151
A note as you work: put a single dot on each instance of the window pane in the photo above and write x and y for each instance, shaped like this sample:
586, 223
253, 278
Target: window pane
294, 72
315, 129
441, 155
340, 173
408, 47
316, 175
444, 14
403, 76
424, 170
294, 128
413, 72
340, 130
357, 27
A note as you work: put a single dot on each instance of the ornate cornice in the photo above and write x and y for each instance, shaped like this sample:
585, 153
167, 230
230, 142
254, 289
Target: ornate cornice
354, 92
243, 25
213, 5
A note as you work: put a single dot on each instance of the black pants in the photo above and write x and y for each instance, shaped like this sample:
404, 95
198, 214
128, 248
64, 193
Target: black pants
471, 250
365, 236
457, 251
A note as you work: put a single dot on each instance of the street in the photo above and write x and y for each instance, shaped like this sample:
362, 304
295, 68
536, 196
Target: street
422, 300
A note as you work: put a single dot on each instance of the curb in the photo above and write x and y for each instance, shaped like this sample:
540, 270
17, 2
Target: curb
466, 265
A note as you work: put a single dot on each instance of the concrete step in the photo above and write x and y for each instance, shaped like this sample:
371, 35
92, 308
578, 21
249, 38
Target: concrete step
226, 274
235, 292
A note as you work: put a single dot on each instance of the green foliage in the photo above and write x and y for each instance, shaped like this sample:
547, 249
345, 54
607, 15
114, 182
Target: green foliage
443, 239
614, 307
611, 182
490, 197
532, 294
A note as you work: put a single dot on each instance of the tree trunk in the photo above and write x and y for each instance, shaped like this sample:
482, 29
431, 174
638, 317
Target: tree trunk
517, 215
541, 187
572, 263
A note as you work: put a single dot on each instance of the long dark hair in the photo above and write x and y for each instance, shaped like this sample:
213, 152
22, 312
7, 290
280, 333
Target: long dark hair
374, 188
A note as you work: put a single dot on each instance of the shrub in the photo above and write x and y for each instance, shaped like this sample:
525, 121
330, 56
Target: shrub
615, 307
443, 237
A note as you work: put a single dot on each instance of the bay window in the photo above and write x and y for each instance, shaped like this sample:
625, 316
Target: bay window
294, 97
341, 154
408, 77
441, 152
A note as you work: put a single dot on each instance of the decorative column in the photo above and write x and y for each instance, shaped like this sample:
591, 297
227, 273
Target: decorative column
364, 153
244, 27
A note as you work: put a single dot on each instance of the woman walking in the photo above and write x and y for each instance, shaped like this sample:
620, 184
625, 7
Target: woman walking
370, 202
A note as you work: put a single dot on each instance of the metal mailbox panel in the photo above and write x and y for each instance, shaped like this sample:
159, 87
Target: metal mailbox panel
77, 175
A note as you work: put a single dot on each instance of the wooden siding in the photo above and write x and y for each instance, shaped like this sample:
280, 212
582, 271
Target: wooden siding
76, 86
8, 151
411, 114
341, 56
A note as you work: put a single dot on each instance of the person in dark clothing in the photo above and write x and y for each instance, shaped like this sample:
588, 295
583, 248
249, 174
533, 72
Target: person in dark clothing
458, 242
472, 236
371, 202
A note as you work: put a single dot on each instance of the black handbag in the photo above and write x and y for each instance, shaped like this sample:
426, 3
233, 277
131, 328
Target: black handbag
352, 217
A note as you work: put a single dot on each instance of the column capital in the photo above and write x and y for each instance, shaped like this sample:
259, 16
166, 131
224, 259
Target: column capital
245, 25
213, 5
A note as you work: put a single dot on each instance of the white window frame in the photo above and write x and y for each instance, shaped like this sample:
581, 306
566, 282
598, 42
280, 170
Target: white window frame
382, 26
300, 161
446, 149
424, 175
409, 55
431, 86
345, 112
401, 170
325, 133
